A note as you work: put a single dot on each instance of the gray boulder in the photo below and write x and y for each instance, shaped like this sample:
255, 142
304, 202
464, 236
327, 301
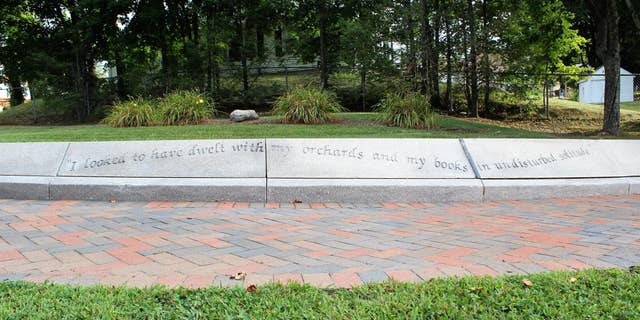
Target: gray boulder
243, 115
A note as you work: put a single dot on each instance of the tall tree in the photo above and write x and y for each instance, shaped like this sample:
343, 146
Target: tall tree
605, 13
449, 55
315, 26
486, 67
364, 42
15, 28
78, 30
472, 102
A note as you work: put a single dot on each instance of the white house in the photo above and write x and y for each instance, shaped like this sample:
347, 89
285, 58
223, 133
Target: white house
592, 88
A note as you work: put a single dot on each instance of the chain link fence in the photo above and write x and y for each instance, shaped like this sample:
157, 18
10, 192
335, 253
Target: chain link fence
360, 91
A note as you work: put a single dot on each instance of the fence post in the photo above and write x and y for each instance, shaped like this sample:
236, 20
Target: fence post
286, 78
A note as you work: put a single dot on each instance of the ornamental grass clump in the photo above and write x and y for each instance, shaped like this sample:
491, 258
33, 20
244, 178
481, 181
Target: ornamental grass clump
307, 106
185, 107
132, 113
408, 111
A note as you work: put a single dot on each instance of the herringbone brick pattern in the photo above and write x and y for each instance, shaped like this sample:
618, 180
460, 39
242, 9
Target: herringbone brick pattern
201, 244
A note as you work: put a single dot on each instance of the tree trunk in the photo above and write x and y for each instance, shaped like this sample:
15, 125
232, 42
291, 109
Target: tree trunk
363, 87
426, 56
89, 85
473, 57
121, 84
413, 61
635, 16
243, 56
449, 63
465, 69
485, 56
167, 67
608, 50
612, 96
434, 69
324, 70
212, 63
16, 90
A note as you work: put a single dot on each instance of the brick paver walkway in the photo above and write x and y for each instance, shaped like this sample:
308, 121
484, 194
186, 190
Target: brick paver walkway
200, 244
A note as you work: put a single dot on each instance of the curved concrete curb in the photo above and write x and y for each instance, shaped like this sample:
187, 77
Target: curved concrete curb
320, 170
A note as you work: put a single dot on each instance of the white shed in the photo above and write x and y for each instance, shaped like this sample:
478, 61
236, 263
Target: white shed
592, 88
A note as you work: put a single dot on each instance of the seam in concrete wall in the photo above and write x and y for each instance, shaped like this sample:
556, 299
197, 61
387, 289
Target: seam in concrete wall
266, 172
469, 158
64, 156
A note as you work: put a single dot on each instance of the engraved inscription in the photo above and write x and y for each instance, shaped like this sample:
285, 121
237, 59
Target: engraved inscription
170, 154
539, 161
370, 156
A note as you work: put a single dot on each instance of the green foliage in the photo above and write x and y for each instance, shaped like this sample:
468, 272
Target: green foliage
589, 294
41, 111
514, 103
306, 105
132, 113
408, 111
185, 107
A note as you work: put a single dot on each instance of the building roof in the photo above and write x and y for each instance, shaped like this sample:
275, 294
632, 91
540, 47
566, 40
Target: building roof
600, 74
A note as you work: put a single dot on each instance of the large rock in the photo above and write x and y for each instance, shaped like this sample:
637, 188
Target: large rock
243, 115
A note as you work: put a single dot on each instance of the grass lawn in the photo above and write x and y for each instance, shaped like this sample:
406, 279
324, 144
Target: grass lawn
354, 125
630, 106
625, 107
589, 294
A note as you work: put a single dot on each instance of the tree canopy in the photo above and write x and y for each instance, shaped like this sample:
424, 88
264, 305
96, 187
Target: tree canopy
158, 46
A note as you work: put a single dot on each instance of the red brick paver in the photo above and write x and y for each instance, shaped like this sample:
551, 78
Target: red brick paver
325, 244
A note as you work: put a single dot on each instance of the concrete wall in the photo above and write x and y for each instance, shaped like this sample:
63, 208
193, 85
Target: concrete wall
320, 170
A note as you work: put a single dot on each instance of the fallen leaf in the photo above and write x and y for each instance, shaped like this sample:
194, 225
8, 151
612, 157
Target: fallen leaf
572, 280
252, 288
238, 276
527, 282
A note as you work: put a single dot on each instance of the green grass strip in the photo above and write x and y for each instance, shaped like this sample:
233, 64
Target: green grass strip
449, 128
592, 294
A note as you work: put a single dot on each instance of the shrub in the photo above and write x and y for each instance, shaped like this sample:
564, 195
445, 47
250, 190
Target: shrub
306, 105
132, 113
407, 111
54, 110
185, 107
